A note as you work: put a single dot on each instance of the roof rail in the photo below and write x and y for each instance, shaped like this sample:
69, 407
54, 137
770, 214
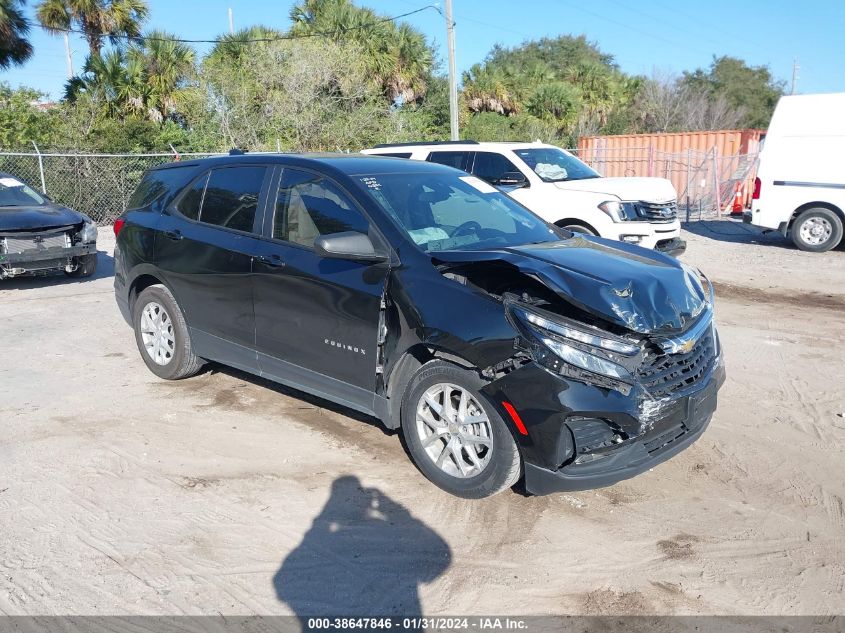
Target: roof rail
467, 142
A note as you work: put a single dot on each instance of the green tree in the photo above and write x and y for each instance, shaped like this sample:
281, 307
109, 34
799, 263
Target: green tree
749, 88
15, 48
398, 57
20, 121
96, 19
163, 66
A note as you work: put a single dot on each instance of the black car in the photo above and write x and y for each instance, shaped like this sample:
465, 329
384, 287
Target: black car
38, 236
498, 344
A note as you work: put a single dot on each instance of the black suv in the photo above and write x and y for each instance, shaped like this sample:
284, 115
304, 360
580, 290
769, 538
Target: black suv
498, 344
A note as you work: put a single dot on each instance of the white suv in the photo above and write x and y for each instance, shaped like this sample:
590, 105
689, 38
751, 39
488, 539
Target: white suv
562, 190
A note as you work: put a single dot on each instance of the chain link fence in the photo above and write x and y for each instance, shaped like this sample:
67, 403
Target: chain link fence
708, 185
99, 185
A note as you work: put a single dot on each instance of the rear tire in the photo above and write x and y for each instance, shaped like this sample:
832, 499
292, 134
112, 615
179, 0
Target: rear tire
162, 335
86, 265
816, 230
466, 449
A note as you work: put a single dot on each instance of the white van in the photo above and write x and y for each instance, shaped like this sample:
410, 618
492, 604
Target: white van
562, 190
800, 186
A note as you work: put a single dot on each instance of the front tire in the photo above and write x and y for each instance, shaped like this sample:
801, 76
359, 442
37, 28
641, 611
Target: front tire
578, 228
816, 230
454, 434
162, 335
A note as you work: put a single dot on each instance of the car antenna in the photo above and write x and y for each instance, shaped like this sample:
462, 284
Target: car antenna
236, 151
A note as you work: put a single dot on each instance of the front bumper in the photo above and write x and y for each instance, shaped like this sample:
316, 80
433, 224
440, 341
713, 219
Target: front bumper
14, 264
552, 459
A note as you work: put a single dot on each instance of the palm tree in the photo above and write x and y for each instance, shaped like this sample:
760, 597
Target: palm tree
165, 65
399, 58
96, 19
14, 27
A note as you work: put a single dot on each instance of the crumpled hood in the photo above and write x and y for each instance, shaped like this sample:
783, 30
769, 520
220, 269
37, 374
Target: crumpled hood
638, 289
37, 217
626, 189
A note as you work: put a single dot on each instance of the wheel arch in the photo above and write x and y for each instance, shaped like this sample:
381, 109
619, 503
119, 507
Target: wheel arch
585, 224
817, 205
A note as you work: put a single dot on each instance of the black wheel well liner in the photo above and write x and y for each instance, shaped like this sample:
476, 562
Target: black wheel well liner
141, 283
817, 205
586, 225
409, 362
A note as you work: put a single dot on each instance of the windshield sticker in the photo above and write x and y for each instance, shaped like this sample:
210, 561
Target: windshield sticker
10, 182
371, 182
479, 184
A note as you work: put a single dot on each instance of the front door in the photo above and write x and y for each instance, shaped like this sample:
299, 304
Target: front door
316, 319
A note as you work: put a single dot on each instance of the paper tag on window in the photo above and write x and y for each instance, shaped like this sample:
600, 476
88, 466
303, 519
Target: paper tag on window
10, 182
479, 184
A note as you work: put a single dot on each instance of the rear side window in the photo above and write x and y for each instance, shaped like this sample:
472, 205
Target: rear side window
155, 184
458, 160
231, 197
490, 166
189, 205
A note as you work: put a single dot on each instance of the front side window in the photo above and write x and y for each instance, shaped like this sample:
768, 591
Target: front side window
14, 193
231, 197
309, 205
490, 167
442, 212
554, 165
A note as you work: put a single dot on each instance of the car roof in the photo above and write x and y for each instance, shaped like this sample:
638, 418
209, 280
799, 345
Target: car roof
458, 145
347, 164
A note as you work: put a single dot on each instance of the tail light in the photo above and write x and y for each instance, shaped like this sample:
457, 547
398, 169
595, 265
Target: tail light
756, 194
118, 224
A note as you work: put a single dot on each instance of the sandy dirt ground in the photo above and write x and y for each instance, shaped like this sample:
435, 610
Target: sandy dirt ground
124, 494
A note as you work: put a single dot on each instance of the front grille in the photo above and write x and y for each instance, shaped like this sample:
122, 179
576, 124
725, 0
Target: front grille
657, 212
30, 244
666, 374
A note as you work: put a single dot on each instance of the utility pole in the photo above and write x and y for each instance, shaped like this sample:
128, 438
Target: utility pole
231, 22
453, 79
795, 69
68, 57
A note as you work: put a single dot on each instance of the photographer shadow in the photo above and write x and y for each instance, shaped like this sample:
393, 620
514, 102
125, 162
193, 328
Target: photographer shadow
365, 555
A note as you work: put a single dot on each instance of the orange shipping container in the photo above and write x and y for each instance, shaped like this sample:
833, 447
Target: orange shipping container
668, 155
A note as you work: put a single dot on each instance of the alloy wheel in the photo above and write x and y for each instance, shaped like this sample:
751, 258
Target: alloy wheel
454, 430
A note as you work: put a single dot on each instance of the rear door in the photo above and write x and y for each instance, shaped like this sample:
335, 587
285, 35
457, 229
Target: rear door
204, 247
316, 319
458, 159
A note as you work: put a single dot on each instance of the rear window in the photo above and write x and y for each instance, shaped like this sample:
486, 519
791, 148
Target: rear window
396, 154
155, 184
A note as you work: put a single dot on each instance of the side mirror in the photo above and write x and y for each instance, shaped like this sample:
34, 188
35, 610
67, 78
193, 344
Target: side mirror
348, 245
512, 179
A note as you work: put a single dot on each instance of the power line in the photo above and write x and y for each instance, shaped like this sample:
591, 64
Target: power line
256, 40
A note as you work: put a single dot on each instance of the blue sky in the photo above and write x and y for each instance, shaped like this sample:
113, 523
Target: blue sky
667, 35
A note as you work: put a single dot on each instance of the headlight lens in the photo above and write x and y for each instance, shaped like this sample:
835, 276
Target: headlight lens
576, 344
619, 211
88, 234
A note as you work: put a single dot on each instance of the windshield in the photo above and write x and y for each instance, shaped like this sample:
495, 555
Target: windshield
441, 212
554, 165
14, 193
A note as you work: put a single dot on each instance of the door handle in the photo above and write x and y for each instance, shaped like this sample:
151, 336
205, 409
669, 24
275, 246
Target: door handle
174, 235
271, 260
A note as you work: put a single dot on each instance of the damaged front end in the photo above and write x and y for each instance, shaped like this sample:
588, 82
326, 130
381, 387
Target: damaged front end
607, 382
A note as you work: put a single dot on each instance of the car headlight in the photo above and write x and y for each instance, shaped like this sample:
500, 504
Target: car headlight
559, 343
619, 211
88, 234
